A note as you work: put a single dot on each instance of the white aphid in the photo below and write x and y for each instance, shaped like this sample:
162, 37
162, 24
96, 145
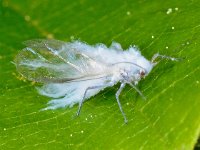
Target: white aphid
73, 72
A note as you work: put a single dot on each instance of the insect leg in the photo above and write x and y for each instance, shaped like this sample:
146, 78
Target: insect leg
81, 102
157, 55
133, 86
119, 104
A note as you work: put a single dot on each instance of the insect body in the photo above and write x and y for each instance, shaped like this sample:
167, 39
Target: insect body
73, 72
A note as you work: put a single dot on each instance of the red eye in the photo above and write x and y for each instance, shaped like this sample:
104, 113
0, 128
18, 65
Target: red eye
142, 73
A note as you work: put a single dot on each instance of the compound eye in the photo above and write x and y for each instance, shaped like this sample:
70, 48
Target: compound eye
142, 73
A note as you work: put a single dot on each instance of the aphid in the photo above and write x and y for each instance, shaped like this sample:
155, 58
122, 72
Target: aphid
73, 72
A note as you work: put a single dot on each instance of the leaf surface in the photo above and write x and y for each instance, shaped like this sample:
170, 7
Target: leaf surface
168, 119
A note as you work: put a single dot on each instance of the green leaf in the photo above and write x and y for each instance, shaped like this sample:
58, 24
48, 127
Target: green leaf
168, 119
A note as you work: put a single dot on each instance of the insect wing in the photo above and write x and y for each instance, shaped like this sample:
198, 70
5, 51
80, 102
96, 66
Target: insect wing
51, 60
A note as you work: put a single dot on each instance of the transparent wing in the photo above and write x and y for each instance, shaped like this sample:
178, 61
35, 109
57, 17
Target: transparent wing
55, 61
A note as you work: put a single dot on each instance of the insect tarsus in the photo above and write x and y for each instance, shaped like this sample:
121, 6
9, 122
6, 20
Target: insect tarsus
123, 84
117, 98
